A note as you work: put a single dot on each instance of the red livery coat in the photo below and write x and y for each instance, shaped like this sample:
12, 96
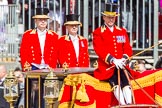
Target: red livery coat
66, 52
30, 50
107, 45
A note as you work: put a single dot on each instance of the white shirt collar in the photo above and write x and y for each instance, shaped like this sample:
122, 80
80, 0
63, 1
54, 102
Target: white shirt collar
42, 38
73, 38
111, 28
41, 32
75, 41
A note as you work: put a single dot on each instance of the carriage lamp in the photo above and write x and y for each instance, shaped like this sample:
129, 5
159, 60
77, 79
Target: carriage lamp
51, 89
11, 88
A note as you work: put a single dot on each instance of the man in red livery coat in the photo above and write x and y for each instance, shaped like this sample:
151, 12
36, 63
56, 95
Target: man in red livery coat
111, 44
73, 49
39, 45
73, 52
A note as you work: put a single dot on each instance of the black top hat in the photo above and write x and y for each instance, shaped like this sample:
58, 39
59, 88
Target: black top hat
72, 19
111, 9
41, 13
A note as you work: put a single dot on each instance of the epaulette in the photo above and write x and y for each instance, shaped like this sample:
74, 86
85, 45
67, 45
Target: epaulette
27, 30
117, 27
33, 31
62, 36
51, 32
103, 28
67, 37
81, 37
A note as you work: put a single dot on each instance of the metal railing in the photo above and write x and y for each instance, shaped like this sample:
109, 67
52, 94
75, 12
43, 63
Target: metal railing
139, 17
9, 36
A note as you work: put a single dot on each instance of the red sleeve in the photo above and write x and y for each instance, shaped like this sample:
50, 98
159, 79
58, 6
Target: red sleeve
24, 50
99, 47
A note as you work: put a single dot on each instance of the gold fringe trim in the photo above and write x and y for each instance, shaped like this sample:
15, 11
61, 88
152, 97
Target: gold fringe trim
61, 92
88, 80
65, 105
100, 86
158, 99
85, 79
73, 95
158, 76
89, 106
148, 80
145, 81
81, 93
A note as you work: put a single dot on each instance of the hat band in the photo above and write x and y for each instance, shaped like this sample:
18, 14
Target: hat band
110, 13
41, 16
73, 23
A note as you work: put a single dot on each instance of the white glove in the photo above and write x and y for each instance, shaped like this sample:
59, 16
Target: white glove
119, 63
124, 60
